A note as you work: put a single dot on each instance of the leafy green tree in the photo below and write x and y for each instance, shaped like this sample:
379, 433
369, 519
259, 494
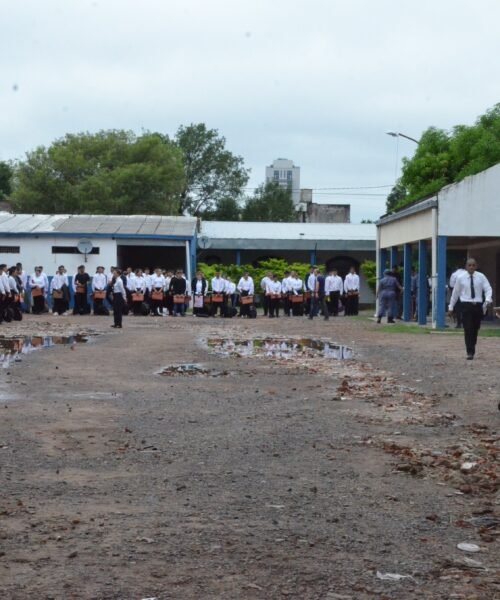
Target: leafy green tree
227, 209
444, 157
110, 172
212, 173
396, 197
429, 169
270, 202
369, 270
6, 174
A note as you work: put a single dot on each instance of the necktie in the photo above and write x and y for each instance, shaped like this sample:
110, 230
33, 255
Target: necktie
472, 291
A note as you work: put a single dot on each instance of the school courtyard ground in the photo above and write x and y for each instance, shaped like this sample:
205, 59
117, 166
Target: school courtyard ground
233, 459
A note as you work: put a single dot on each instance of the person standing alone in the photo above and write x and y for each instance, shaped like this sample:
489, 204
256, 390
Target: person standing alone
469, 289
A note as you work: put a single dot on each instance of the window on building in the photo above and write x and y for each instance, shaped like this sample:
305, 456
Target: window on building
10, 249
276, 175
71, 250
289, 175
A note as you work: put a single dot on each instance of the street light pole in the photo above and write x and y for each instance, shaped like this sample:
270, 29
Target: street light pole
398, 134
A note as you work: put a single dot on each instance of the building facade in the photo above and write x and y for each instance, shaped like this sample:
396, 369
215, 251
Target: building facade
286, 175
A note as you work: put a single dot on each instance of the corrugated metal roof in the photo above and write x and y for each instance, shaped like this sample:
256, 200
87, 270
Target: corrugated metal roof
98, 224
225, 230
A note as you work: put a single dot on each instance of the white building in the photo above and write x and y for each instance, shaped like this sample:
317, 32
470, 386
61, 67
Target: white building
287, 175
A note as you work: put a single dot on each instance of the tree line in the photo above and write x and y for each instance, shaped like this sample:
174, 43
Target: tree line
444, 157
119, 172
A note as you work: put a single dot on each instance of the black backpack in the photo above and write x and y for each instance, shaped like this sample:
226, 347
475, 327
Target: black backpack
252, 312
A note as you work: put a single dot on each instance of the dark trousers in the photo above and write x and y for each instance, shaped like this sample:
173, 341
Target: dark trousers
265, 304
38, 304
351, 304
81, 305
458, 313
313, 306
325, 310
244, 308
286, 305
118, 304
334, 303
169, 303
59, 305
274, 307
472, 314
221, 306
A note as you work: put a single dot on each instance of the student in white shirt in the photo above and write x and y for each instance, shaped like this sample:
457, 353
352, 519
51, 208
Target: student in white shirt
245, 288
474, 292
157, 294
218, 285
169, 299
334, 288
351, 290
286, 290
38, 291
59, 288
296, 287
453, 280
119, 298
263, 286
273, 292
99, 287
138, 289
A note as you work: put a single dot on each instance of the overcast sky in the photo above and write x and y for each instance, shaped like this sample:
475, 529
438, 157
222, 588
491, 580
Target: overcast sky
316, 81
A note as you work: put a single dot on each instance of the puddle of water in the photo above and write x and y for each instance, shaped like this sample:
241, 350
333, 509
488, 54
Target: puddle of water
280, 348
13, 349
190, 369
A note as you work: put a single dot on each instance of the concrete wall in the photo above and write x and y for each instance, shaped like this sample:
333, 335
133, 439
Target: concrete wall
328, 213
471, 207
409, 229
38, 251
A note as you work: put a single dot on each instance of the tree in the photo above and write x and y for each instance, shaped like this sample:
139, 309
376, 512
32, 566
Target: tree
445, 157
270, 202
212, 173
396, 197
6, 173
110, 172
227, 209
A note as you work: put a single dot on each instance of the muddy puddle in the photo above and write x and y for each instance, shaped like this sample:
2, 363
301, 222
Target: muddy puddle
282, 348
191, 369
15, 349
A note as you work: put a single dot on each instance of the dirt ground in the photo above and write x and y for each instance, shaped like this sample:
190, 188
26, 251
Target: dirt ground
256, 478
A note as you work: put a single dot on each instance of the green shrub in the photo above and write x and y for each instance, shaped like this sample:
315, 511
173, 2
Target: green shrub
369, 270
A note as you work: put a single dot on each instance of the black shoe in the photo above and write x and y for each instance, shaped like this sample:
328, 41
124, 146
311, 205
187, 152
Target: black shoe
470, 356
379, 320
391, 321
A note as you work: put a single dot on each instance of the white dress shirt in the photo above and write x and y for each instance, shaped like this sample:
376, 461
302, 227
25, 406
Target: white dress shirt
230, 287
139, 284
118, 288
37, 281
218, 285
312, 280
351, 283
58, 281
157, 282
246, 285
99, 282
198, 287
454, 276
273, 287
333, 283
5, 281
13, 285
462, 289
263, 283
296, 285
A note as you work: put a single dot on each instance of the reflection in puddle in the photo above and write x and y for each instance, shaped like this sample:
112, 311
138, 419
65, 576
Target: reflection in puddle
191, 369
13, 349
280, 348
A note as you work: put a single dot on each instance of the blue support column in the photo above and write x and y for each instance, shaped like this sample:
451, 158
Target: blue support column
193, 244
238, 257
394, 257
313, 257
407, 282
441, 282
423, 290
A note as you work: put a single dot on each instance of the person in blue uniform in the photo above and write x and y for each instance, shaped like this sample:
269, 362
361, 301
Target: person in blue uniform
388, 288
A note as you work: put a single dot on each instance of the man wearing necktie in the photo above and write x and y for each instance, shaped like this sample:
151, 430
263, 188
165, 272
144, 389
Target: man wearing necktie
469, 289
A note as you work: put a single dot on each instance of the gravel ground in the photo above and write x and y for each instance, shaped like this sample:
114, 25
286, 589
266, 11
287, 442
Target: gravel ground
256, 477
